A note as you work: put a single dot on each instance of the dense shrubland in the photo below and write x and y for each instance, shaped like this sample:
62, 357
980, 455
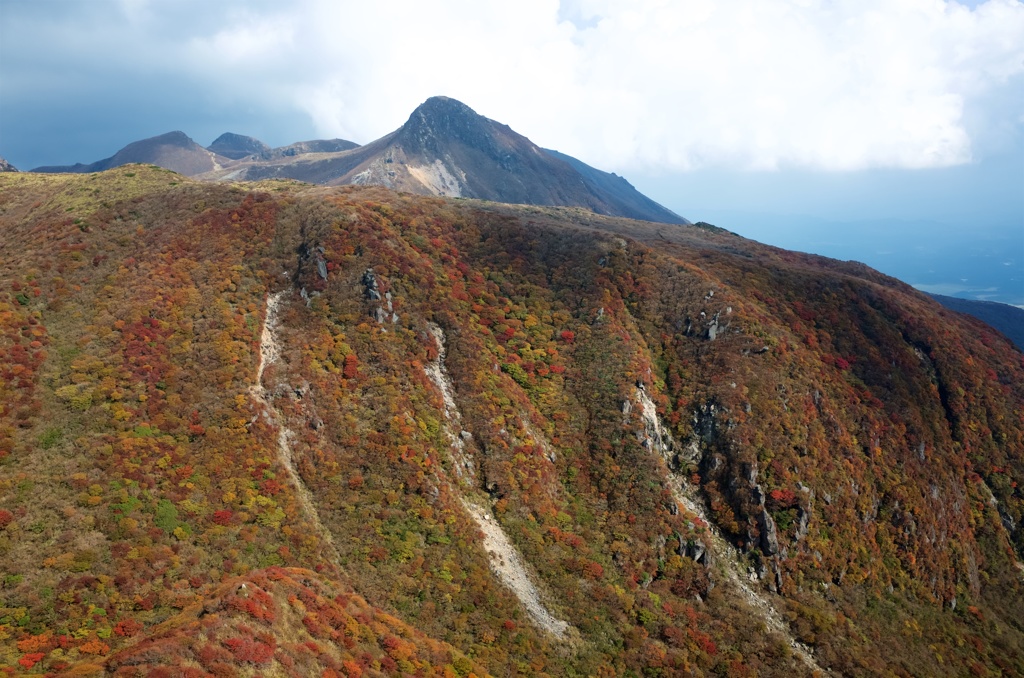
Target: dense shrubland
861, 447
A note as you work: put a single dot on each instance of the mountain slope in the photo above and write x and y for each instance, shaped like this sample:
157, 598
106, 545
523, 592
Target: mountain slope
174, 151
1007, 319
617, 193
708, 456
6, 166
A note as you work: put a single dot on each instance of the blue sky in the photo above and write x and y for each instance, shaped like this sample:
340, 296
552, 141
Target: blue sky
888, 131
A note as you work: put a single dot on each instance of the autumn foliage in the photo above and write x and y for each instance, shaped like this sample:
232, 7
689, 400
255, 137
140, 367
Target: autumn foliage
858, 447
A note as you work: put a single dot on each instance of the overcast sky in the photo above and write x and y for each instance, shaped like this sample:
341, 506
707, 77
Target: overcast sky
836, 110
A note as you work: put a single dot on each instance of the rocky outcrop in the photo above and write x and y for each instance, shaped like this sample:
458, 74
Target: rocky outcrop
769, 538
384, 308
714, 551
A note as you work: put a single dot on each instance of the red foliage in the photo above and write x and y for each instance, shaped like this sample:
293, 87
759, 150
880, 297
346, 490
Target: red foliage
568, 336
257, 603
705, 643
782, 498
592, 570
126, 628
210, 654
223, 517
674, 636
270, 487
94, 646
31, 659
250, 650
351, 369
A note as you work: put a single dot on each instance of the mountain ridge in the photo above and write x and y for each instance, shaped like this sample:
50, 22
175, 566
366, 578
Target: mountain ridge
174, 151
239, 146
444, 148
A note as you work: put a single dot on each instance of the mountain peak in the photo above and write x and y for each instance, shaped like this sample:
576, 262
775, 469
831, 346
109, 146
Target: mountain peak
441, 119
169, 140
443, 105
175, 138
236, 146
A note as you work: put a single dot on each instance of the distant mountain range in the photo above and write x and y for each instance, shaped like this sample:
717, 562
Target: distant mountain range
444, 149
6, 166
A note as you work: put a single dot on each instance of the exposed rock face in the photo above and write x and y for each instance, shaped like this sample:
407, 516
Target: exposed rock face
6, 166
695, 549
370, 283
803, 521
720, 464
384, 309
769, 534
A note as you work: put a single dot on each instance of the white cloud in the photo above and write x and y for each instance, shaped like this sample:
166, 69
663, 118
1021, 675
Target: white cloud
623, 84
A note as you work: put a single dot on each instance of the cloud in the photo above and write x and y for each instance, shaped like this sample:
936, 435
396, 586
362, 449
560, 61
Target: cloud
652, 85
